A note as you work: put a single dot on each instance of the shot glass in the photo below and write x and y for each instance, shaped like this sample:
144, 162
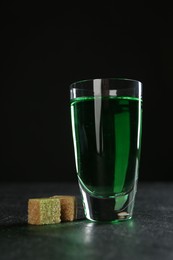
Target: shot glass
106, 117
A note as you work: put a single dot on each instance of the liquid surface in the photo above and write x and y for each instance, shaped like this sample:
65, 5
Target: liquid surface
106, 135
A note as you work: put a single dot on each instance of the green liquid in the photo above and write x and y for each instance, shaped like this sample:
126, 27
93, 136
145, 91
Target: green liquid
106, 135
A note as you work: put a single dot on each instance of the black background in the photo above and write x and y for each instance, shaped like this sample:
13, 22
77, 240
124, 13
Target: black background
46, 47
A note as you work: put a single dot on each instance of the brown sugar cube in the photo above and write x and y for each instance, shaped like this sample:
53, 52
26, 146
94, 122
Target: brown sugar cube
44, 211
68, 207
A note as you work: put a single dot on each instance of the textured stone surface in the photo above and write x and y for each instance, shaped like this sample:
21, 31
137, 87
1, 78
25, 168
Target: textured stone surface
149, 235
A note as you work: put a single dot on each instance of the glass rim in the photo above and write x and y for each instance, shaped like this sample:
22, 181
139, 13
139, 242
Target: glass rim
72, 85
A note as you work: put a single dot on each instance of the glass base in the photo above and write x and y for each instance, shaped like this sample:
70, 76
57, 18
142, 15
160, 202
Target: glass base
108, 209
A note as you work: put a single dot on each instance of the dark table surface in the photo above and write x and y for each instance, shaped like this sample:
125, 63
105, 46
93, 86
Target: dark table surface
148, 236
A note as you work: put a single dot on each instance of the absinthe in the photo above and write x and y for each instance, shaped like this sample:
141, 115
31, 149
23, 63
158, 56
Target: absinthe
106, 135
